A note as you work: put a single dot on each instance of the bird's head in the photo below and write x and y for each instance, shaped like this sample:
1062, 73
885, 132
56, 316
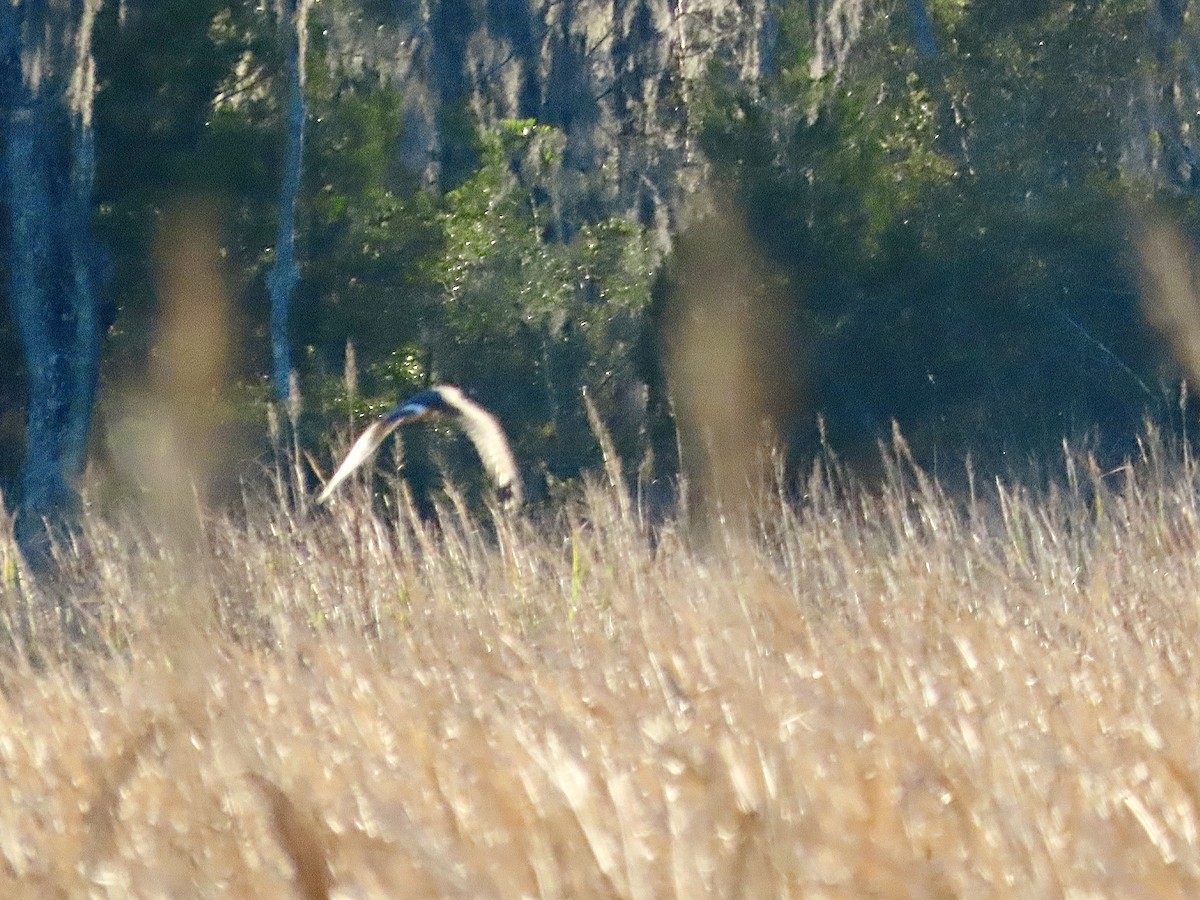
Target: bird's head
429, 404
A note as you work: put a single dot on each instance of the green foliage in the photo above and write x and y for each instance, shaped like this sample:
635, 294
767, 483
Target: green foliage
475, 286
530, 320
486, 284
956, 228
952, 230
183, 115
366, 231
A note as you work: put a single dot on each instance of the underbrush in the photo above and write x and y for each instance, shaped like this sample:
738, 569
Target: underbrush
862, 692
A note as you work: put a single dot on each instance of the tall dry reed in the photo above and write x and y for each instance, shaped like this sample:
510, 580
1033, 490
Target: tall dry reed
879, 692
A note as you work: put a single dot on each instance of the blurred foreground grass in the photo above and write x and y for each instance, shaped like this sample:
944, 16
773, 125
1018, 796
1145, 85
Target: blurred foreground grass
880, 693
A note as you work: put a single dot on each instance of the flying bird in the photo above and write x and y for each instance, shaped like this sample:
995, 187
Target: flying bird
446, 401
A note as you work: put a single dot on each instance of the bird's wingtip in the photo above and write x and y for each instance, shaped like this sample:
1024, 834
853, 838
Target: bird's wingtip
509, 495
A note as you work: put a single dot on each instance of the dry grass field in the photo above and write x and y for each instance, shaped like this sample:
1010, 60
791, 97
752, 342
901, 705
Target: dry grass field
875, 693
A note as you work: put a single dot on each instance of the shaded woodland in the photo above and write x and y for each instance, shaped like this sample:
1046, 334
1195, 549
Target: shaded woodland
922, 213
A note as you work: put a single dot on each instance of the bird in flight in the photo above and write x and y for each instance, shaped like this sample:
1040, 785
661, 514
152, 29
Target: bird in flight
441, 401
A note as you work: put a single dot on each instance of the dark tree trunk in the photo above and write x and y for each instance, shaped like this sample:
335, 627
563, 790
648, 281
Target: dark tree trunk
1173, 89
285, 272
54, 265
922, 28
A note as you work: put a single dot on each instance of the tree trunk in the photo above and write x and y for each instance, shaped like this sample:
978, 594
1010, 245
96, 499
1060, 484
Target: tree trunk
922, 28
284, 273
54, 265
1171, 93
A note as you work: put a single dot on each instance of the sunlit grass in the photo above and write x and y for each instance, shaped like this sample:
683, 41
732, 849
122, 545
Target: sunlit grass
877, 693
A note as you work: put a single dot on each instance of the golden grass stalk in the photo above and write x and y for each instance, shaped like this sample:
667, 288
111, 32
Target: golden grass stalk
885, 692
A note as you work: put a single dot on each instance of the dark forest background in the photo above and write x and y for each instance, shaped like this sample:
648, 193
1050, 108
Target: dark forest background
937, 208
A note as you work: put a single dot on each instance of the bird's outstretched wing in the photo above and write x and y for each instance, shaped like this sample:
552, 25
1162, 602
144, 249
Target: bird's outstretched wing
492, 446
367, 443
